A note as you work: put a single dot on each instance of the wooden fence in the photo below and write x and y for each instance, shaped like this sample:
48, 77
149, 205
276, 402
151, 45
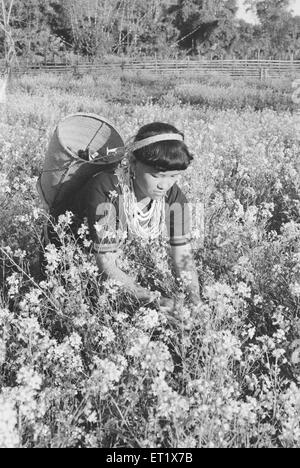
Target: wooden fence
235, 68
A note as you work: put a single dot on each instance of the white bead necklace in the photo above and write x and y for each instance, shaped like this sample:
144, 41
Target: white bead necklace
146, 225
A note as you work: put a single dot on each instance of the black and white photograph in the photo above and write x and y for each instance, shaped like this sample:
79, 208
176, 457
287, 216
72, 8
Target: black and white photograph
150, 226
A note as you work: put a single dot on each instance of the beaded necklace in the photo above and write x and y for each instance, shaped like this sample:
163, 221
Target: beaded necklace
146, 225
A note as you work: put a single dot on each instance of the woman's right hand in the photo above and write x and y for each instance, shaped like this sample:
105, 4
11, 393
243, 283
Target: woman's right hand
143, 295
167, 304
168, 308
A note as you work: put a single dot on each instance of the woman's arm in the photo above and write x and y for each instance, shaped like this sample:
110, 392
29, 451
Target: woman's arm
107, 264
185, 268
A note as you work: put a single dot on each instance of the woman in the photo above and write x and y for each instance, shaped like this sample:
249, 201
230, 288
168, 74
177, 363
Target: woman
141, 199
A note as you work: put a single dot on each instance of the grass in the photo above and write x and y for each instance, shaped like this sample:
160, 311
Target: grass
141, 87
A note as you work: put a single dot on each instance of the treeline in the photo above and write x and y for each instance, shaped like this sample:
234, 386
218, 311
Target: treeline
49, 30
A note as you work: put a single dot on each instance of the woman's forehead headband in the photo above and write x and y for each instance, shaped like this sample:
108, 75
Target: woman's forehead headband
155, 139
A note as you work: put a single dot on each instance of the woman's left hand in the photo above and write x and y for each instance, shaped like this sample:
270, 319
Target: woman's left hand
168, 307
167, 304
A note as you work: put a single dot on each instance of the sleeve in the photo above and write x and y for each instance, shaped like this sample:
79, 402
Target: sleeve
102, 213
178, 218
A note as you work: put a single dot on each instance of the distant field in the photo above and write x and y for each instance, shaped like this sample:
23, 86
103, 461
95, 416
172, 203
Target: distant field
81, 364
211, 89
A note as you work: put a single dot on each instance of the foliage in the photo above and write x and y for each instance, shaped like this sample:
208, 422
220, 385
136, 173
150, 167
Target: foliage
279, 30
31, 28
205, 25
49, 29
233, 94
82, 364
6, 36
207, 90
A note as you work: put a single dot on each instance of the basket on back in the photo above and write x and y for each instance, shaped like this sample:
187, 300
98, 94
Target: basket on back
81, 146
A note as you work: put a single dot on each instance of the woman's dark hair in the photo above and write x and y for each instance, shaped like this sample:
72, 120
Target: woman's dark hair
164, 155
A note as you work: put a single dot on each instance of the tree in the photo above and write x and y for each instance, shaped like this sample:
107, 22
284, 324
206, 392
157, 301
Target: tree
8, 45
223, 38
277, 26
268, 10
30, 27
194, 20
144, 27
118, 26
44, 29
205, 24
294, 33
91, 24
248, 43
58, 21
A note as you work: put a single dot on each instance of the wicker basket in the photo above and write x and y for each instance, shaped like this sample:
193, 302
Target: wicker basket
81, 146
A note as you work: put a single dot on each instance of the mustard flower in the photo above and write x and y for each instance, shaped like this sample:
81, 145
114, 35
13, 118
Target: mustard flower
138, 343
106, 336
157, 358
295, 289
53, 257
107, 374
9, 437
2, 351
148, 319
170, 403
291, 416
14, 281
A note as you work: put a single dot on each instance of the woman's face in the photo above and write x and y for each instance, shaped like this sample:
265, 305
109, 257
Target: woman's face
151, 183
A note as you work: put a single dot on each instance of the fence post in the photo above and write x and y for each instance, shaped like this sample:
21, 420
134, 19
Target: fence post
266, 73
75, 68
122, 66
